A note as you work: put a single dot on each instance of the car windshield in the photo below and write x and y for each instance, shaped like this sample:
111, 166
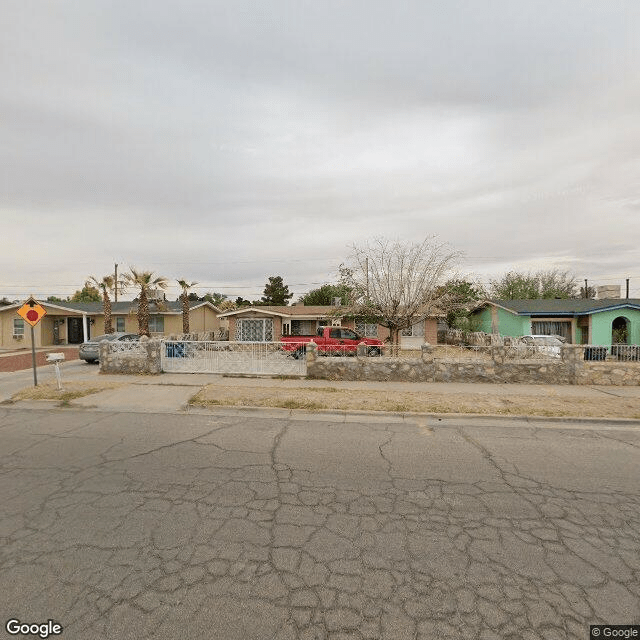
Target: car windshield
107, 336
547, 340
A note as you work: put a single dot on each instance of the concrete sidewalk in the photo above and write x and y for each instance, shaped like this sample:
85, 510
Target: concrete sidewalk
172, 392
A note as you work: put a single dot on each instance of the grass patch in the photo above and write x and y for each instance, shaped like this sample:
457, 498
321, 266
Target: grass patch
423, 401
292, 403
399, 408
69, 392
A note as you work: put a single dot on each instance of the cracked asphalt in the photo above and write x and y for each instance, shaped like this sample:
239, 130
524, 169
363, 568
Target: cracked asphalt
236, 526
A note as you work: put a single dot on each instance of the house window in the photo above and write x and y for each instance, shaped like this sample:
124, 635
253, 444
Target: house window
254, 329
156, 324
18, 327
367, 329
120, 324
414, 331
303, 327
552, 328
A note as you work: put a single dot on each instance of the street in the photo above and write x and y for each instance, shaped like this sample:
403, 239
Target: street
239, 526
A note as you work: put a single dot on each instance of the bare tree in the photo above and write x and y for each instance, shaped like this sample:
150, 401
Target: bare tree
552, 283
397, 283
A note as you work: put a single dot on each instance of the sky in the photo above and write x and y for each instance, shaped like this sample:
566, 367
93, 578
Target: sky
226, 142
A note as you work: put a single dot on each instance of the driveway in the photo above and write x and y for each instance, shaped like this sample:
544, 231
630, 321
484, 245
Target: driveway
127, 525
18, 361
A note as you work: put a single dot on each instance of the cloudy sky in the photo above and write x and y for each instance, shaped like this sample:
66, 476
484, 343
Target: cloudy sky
225, 142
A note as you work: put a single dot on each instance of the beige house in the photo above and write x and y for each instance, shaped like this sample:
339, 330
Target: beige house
269, 323
74, 322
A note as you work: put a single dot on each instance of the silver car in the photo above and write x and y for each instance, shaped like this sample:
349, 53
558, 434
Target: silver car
548, 345
90, 350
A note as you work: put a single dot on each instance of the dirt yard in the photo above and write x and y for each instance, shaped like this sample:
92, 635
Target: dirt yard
532, 400
546, 403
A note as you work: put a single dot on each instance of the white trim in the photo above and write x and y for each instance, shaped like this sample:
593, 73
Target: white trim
258, 310
45, 304
204, 303
612, 308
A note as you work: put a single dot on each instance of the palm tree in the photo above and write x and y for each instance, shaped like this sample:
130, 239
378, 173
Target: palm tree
185, 303
106, 287
144, 281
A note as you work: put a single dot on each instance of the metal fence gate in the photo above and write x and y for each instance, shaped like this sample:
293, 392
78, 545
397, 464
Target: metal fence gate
274, 358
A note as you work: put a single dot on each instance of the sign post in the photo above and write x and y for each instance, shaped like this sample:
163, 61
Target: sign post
32, 312
33, 359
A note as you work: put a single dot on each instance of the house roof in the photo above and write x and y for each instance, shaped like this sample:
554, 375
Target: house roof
320, 311
96, 308
569, 307
299, 311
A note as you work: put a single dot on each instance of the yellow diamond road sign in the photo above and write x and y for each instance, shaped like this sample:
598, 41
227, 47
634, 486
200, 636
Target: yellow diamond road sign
32, 312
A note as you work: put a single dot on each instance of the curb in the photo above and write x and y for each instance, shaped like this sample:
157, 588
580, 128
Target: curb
402, 417
341, 415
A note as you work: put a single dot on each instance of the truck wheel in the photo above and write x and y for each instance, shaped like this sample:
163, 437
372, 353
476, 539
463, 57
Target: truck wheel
373, 352
299, 353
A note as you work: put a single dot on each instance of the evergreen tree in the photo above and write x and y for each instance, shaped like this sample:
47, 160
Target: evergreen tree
87, 294
326, 294
276, 292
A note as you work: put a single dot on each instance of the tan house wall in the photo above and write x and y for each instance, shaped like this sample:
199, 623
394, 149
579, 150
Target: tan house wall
130, 322
46, 329
8, 341
42, 332
200, 320
96, 326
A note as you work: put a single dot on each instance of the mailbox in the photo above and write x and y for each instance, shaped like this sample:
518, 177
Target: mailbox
55, 357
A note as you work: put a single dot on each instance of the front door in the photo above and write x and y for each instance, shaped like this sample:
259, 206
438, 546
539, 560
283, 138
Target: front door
74, 330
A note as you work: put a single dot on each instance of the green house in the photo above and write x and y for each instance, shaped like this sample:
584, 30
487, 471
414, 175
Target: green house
580, 321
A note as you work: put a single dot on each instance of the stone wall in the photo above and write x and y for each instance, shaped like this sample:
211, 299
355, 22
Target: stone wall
143, 360
571, 368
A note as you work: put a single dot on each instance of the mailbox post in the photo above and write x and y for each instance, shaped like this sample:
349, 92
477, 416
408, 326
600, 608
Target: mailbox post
56, 359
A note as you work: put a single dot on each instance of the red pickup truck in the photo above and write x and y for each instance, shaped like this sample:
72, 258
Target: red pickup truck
336, 341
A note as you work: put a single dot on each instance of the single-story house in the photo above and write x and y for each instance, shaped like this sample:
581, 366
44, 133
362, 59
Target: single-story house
580, 321
75, 322
270, 323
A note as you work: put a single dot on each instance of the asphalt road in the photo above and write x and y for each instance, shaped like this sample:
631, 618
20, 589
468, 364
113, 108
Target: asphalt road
122, 525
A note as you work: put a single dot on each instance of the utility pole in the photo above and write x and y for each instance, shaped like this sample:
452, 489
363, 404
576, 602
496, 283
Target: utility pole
586, 295
627, 288
115, 280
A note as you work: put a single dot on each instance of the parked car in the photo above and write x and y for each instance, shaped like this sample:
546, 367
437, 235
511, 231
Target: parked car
90, 350
332, 341
549, 345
